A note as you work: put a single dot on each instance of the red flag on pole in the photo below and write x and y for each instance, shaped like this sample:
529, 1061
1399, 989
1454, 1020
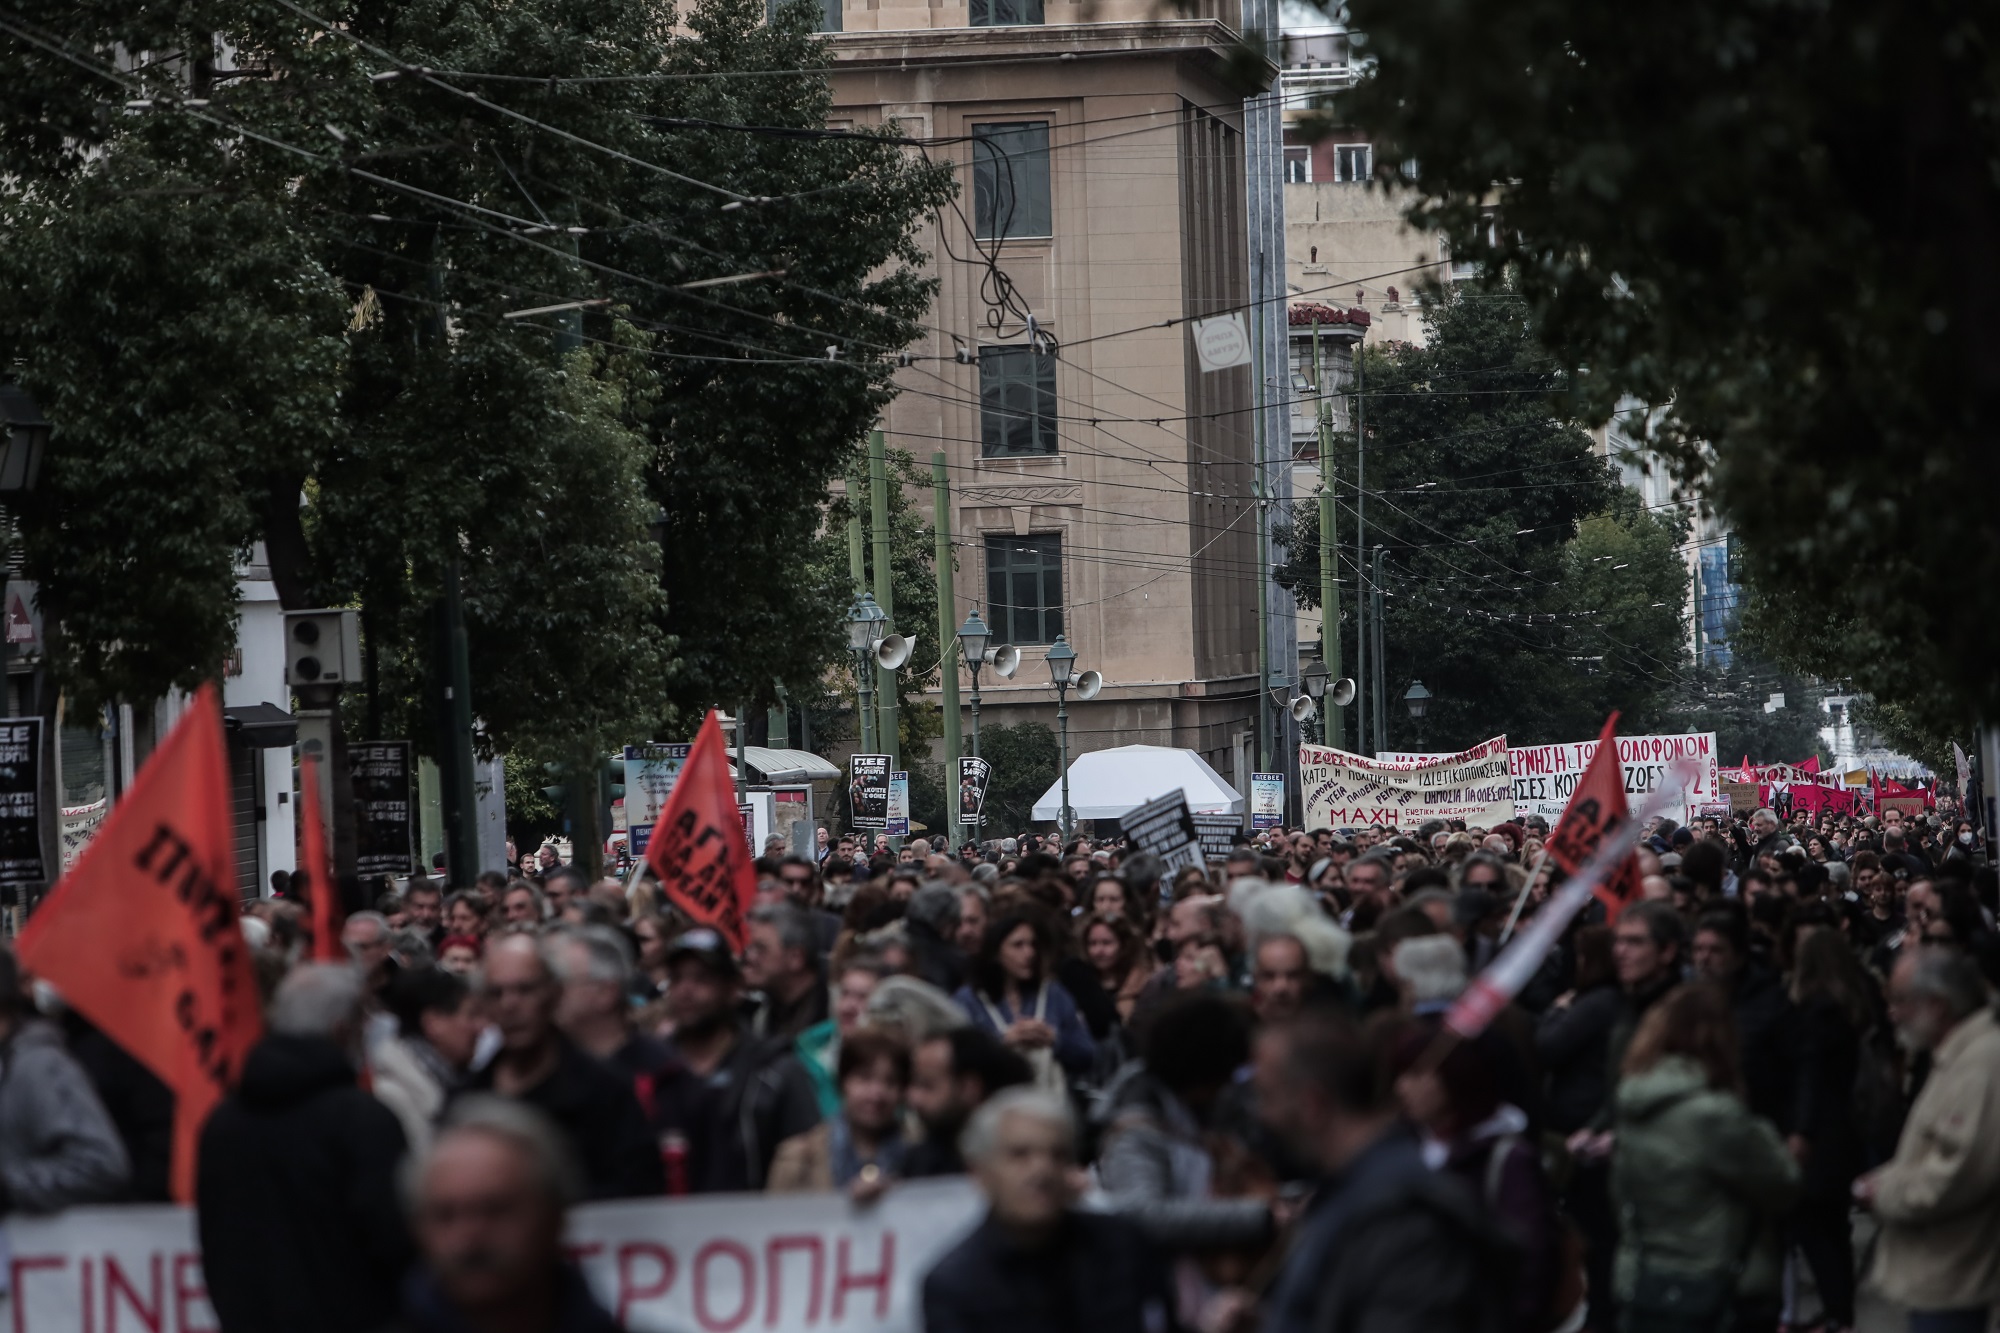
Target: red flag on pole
327, 918
698, 850
142, 938
1596, 809
1875, 788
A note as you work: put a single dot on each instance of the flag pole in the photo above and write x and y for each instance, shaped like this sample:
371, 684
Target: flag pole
1521, 900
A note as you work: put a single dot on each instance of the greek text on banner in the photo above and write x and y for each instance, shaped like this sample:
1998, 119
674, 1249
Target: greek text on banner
1345, 790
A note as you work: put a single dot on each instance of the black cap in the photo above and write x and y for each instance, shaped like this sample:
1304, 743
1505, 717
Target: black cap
705, 944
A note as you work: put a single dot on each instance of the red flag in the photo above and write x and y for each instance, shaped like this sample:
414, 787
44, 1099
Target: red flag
1596, 809
1811, 765
142, 939
1875, 786
327, 918
697, 848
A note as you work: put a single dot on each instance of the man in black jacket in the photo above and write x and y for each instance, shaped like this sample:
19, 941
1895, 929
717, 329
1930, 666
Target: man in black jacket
296, 1198
1036, 1264
591, 1103
1766, 1024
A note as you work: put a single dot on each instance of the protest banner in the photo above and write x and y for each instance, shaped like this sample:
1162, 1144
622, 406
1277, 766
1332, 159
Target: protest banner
792, 1264
700, 849
1267, 800
974, 774
142, 937
317, 865
650, 774
868, 792
379, 773
1345, 790
1164, 827
1596, 812
23, 859
1546, 776
897, 822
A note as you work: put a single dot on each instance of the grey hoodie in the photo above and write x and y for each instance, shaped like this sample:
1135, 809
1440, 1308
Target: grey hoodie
58, 1147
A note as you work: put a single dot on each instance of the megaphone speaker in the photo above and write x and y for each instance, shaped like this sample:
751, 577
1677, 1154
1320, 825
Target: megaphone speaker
1005, 660
1304, 709
1088, 684
1342, 692
893, 651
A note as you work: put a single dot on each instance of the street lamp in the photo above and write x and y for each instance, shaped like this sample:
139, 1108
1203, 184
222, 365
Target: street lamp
973, 638
1419, 700
25, 437
1063, 675
865, 623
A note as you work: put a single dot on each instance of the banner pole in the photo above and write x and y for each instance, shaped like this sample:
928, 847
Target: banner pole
1521, 900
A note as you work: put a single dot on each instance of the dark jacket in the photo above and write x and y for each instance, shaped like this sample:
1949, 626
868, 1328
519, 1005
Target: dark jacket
933, 958
1573, 1043
140, 1106
1097, 1275
1632, 1006
301, 1230
1824, 1110
1389, 1246
1768, 1040
1156, 1168
425, 1309
734, 1118
595, 1105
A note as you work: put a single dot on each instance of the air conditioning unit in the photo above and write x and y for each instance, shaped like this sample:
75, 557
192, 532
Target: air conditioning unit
322, 648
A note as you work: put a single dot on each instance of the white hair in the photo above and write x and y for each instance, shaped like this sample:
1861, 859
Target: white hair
599, 952
1272, 910
256, 932
1432, 966
982, 1132
523, 1127
914, 1007
315, 1000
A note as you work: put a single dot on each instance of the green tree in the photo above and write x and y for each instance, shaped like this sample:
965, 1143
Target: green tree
1026, 760
1676, 191
1730, 701
1527, 589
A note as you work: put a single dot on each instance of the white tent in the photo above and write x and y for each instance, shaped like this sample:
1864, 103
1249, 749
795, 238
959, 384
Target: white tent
1105, 784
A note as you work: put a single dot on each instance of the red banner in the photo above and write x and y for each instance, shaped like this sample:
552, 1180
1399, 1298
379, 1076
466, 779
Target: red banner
698, 850
1595, 811
327, 918
142, 938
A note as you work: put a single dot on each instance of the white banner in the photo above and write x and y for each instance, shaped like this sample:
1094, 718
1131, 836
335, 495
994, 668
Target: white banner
1545, 775
1345, 790
790, 1263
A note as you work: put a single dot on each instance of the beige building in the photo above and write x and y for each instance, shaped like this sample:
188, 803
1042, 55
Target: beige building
1104, 485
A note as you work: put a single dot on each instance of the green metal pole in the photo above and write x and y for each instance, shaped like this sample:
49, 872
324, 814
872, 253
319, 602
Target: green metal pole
857, 569
1362, 704
1329, 554
947, 639
887, 733
1260, 442
461, 814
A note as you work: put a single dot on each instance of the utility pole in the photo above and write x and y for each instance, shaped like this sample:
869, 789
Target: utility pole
1260, 440
857, 569
1375, 653
1362, 704
461, 814
885, 591
1329, 553
947, 638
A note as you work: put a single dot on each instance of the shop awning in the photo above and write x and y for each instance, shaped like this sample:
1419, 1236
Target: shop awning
260, 726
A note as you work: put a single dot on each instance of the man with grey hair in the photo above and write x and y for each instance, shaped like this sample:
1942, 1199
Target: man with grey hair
296, 1192
1938, 1199
781, 961
594, 965
487, 1203
930, 925
1037, 1264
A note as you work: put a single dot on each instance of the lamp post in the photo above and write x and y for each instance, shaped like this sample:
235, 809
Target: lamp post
1419, 700
973, 636
1062, 673
865, 622
24, 436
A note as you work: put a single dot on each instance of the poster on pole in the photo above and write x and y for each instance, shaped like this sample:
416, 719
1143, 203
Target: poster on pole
897, 823
650, 774
974, 774
1345, 790
1164, 827
22, 856
380, 775
868, 792
1267, 800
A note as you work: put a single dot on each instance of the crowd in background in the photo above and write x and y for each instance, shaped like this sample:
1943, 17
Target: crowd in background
1217, 1099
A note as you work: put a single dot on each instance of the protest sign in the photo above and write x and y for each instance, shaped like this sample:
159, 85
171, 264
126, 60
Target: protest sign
1267, 800
379, 776
1345, 790
974, 774
714, 1264
142, 937
1546, 776
868, 792
700, 849
897, 822
22, 856
1165, 828
1217, 834
317, 865
650, 774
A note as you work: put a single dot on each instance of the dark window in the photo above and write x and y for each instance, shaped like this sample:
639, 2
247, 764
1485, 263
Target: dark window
1005, 13
1010, 180
829, 13
1017, 402
1024, 588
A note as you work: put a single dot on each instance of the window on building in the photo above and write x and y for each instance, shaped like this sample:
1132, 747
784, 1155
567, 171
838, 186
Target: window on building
1462, 269
1353, 163
1010, 179
1005, 13
1017, 402
829, 13
1024, 594
1298, 165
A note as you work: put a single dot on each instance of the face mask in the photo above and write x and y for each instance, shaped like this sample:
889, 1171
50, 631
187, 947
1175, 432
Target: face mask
1966, 838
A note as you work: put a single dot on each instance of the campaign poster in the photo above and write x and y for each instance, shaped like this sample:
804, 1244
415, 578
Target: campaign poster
650, 774
380, 775
974, 774
1345, 790
1267, 800
897, 825
868, 791
22, 859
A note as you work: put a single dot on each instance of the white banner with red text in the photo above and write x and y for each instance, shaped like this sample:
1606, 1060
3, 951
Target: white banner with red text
1345, 790
1545, 776
716, 1264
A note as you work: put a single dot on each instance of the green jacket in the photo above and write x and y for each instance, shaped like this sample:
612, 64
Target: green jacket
1697, 1180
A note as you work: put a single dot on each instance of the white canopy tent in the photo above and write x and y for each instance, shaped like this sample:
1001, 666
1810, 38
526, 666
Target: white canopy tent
1105, 784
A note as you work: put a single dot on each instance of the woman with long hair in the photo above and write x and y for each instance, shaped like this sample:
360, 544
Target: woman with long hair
1013, 995
1121, 958
1695, 1177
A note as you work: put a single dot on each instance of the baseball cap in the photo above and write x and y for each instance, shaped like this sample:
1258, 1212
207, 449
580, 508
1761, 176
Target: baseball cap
706, 945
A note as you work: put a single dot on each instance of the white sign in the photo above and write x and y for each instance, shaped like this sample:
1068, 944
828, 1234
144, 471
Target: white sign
1545, 775
790, 1263
1222, 341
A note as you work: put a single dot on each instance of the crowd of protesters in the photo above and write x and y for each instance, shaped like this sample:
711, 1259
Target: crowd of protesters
1215, 1100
